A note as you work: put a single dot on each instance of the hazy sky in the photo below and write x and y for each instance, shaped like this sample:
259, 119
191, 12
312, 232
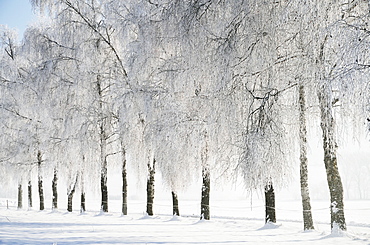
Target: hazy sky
16, 14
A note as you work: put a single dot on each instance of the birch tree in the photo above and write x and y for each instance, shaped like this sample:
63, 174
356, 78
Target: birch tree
187, 88
189, 37
22, 92
88, 18
257, 67
335, 66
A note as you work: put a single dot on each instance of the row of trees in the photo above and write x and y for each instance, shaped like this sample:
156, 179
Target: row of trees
210, 87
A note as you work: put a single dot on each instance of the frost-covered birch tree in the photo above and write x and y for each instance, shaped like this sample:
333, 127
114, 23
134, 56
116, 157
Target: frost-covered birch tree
27, 120
337, 69
87, 20
258, 67
191, 89
199, 48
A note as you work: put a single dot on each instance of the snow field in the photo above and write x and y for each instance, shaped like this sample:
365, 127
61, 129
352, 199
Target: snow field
233, 222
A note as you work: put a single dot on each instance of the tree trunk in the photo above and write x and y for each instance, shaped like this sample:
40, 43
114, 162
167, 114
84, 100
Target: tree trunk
175, 204
71, 192
104, 170
41, 190
206, 182
83, 196
306, 204
330, 160
270, 204
54, 189
103, 148
124, 184
206, 188
104, 187
83, 202
20, 193
29, 194
70, 197
150, 189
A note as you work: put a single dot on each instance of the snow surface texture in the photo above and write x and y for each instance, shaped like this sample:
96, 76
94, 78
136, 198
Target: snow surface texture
236, 224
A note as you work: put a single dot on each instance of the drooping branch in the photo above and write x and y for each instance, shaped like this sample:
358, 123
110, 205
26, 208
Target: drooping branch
95, 29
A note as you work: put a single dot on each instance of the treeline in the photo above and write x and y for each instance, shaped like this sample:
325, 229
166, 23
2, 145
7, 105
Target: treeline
187, 88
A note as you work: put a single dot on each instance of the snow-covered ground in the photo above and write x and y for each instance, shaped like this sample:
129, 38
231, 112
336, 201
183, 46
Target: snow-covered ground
233, 222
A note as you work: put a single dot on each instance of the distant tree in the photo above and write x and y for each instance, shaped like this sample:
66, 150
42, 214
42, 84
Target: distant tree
306, 204
25, 93
54, 185
40, 181
83, 194
20, 193
70, 192
29, 196
205, 212
124, 181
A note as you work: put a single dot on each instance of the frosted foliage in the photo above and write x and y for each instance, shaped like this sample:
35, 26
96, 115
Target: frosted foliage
172, 117
264, 152
189, 83
265, 157
75, 115
203, 111
347, 72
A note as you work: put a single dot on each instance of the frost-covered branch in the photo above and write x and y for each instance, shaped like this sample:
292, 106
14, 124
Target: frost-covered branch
95, 29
